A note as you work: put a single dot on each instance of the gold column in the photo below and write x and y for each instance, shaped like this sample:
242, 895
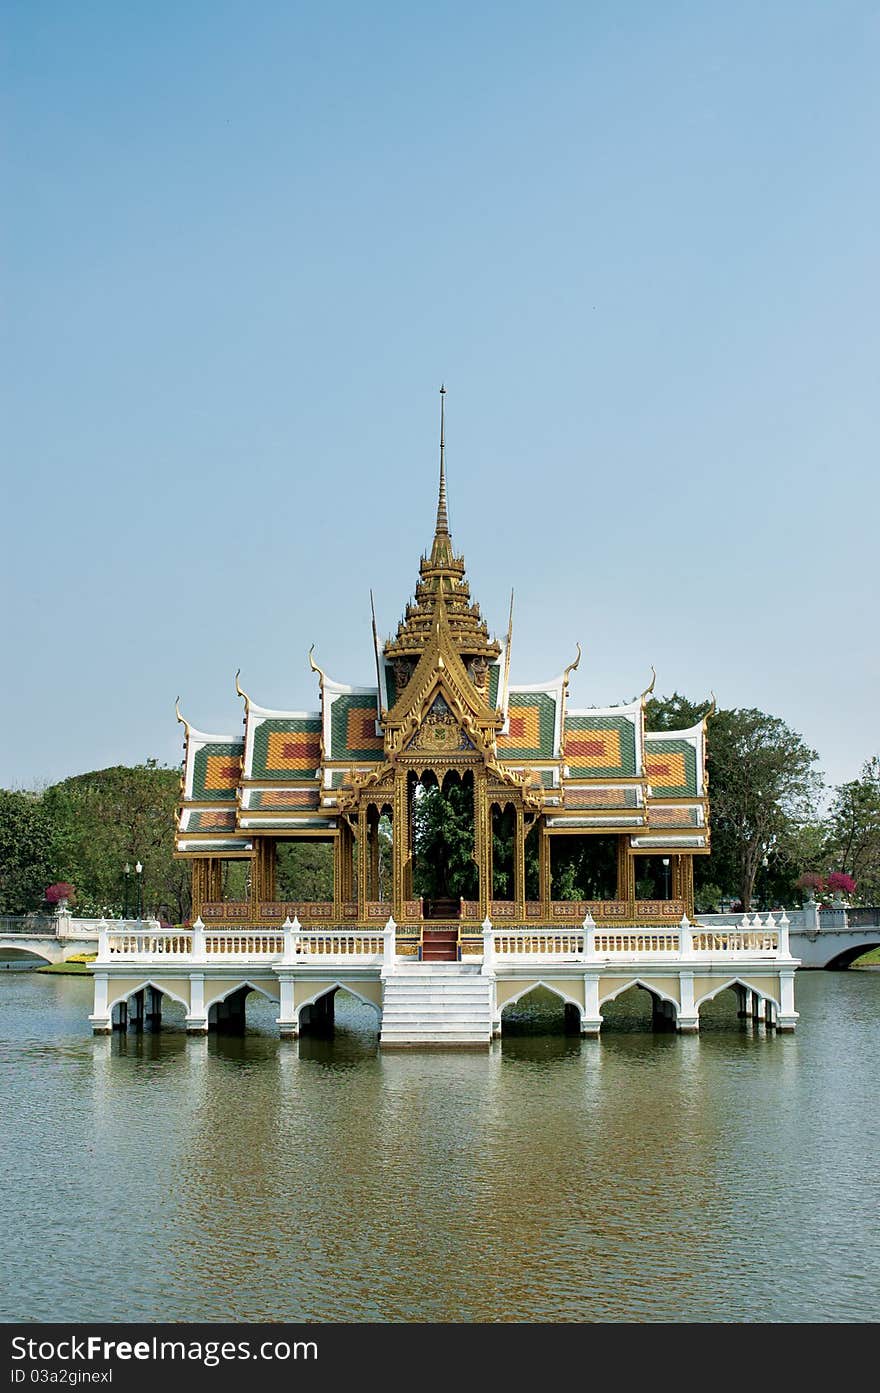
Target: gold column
199, 884
363, 860
400, 827
686, 883
626, 875
214, 875
262, 874
483, 842
374, 855
348, 865
544, 875
519, 865
339, 842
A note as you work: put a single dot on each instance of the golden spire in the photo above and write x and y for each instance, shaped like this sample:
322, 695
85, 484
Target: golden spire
442, 528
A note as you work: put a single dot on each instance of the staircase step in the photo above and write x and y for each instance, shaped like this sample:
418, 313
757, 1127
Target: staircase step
445, 1003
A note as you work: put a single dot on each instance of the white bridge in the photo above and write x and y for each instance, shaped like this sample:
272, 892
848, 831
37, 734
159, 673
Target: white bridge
211, 971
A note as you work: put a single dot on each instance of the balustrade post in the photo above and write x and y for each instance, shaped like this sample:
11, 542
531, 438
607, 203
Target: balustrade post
198, 948
197, 1016
100, 1018
488, 968
589, 927
786, 1018
784, 950
389, 947
591, 1020
688, 1021
685, 937
289, 941
287, 1022
103, 941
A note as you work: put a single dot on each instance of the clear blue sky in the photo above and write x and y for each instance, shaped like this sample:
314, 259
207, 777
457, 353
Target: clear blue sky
243, 244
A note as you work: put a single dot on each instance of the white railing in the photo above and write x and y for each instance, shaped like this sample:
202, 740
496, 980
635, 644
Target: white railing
289, 945
293, 945
752, 938
636, 943
339, 945
141, 945
542, 943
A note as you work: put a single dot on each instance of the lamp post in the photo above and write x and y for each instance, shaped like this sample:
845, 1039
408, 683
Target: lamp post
764, 865
666, 877
140, 888
126, 872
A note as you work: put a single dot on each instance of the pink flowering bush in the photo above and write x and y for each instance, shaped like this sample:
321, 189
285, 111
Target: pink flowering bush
840, 883
53, 894
811, 880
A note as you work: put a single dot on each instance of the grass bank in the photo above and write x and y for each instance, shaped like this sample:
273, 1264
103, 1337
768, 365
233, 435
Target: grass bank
80, 965
871, 959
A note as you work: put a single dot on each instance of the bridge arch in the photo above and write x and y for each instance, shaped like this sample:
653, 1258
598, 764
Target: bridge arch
330, 988
664, 1006
237, 986
734, 982
570, 1003
147, 982
647, 986
17, 953
847, 956
318, 1009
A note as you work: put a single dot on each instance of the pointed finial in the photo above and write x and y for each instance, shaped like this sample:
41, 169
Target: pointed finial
572, 667
314, 666
442, 518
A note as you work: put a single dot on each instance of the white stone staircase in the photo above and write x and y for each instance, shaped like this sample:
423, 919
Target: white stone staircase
436, 1004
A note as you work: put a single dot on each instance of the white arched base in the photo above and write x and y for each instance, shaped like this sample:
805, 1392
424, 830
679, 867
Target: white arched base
526, 990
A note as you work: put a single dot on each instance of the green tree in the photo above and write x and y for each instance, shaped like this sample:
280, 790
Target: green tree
101, 820
853, 841
763, 786
673, 713
444, 842
26, 866
763, 792
304, 871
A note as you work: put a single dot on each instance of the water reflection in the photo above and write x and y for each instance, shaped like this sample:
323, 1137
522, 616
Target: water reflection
638, 1176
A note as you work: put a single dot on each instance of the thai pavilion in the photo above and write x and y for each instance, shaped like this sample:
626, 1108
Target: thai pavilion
443, 708
552, 801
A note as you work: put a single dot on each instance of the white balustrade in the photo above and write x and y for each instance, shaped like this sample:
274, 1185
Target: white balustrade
488, 967
389, 945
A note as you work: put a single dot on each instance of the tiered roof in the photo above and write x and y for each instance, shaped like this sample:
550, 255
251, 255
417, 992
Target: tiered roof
591, 769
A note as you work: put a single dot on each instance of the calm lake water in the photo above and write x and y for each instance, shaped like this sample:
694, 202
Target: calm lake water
731, 1176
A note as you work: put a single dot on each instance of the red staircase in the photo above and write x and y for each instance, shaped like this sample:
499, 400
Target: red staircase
440, 945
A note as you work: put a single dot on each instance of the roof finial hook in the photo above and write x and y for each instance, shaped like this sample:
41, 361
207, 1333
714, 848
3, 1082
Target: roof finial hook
314, 666
442, 516
572, 666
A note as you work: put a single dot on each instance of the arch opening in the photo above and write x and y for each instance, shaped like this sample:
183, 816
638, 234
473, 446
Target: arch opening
22, 959
339, 1010
540, 1010
243, 1008
443, 868
637, 1008
850, 957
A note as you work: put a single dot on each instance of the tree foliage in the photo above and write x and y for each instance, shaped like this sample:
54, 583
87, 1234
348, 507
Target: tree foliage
763, 793
444, 842
100, 821
853, 842
25, 852
304, 871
